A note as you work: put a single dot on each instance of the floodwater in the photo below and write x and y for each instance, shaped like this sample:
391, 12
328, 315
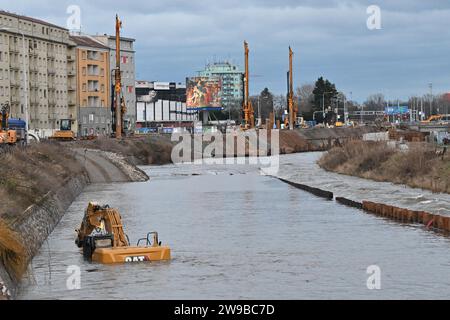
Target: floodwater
236, 234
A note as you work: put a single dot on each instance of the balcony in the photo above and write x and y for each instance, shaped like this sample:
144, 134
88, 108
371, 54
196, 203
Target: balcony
71, 73
70, 58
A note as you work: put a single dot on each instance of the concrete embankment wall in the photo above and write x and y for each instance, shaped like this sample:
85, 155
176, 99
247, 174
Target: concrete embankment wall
36, 224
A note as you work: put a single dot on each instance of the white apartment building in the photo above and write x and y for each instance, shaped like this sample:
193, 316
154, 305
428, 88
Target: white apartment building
48, 57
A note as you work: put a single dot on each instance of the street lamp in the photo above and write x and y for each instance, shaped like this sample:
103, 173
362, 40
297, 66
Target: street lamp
25, 79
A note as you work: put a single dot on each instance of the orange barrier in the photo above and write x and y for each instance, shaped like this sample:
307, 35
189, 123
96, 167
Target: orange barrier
436, 222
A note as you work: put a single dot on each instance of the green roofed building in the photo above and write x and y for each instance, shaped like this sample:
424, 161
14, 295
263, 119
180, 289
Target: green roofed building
232, 81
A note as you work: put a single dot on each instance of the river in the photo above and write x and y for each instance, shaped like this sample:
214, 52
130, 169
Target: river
236, 234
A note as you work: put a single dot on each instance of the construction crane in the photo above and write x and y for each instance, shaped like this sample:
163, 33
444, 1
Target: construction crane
293, 107
249, 114
119, 108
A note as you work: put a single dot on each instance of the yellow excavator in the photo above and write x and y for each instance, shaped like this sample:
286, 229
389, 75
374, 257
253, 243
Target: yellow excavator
103, 239
7, 136
65, 132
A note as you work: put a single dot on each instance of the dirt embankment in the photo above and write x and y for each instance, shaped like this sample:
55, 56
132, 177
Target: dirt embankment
148, 150
319, 139
419, 167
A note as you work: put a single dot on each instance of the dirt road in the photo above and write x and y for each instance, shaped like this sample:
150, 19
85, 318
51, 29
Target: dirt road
99, 168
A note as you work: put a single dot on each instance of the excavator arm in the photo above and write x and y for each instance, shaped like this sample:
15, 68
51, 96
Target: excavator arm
102, 221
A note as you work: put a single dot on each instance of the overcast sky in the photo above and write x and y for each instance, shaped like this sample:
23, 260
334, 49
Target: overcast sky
174, 39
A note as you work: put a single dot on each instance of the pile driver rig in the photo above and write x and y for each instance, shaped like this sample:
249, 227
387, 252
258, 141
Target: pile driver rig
292, 105
249, 114
119, 108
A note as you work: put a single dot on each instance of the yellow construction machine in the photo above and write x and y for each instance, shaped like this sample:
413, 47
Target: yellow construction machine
249, 113
7, 136
65, 133
291, 120
103, 239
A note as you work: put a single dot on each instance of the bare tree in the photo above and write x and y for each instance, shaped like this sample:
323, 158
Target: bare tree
375, 102
306, 96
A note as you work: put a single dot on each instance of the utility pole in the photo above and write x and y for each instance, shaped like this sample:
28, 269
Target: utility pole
25, 80
431, 99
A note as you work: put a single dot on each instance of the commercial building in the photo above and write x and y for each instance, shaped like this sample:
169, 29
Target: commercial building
128, 69
37, 70
93, 86
162, 105
232, 79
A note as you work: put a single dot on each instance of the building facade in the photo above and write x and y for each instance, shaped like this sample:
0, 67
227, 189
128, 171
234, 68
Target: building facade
128, 69
232, 81
162, 105
45, 60
93, 87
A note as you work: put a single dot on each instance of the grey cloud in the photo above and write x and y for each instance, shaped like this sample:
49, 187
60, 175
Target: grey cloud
330, 38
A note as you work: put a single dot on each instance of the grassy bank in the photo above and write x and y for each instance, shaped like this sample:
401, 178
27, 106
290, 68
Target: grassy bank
418, 167
27, 174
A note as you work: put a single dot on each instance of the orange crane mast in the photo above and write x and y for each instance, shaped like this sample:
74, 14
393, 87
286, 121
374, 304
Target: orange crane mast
249, 116
119, 105
293, 108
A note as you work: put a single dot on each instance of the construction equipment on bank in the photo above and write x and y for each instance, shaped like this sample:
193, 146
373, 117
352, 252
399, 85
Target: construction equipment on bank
65, 133
7, 136
118, 108
249, 114
437, 118
291, 120
103, 239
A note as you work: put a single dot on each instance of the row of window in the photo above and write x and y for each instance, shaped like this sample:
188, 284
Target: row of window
25, 25
92, 118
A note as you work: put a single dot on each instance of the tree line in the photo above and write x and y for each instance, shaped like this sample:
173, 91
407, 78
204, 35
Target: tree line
323, 102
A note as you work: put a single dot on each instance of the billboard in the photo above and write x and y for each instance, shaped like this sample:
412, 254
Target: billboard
204, 93
398, 110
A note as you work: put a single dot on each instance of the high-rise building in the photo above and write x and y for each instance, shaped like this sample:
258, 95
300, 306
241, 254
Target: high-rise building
40, 53
93, 86
231, 78
128, 69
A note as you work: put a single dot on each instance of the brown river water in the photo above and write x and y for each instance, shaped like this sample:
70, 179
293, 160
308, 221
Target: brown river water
237, 234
